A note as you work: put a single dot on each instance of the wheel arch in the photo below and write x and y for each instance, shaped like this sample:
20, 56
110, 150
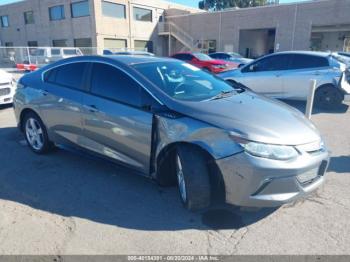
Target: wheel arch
23, 113
216, 179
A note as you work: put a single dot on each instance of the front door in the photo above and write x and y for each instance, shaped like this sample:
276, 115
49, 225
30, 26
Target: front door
114, 122
265, 76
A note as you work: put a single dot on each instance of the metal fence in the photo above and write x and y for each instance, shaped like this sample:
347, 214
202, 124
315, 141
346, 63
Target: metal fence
18, 58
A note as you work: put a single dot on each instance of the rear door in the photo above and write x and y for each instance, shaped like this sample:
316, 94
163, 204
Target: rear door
116, 123
303, 68
265, 75
62, 100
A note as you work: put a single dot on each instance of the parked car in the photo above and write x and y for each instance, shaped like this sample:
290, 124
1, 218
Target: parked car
232, 57
205, 62
175, 123
7, 87
46, 55
287, 75
139, 53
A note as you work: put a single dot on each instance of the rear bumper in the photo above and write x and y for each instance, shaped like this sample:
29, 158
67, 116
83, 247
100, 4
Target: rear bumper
258, 182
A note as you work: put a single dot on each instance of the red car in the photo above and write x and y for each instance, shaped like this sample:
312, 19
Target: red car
205, 62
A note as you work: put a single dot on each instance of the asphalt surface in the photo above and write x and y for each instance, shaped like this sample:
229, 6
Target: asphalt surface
70, 203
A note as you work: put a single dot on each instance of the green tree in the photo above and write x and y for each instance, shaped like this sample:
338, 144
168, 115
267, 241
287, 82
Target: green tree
216, 5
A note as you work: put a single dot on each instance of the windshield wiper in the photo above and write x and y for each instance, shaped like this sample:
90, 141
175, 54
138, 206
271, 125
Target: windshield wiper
222, 94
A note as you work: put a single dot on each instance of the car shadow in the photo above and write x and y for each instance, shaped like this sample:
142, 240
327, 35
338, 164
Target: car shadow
74, 184
339, 164
301, 106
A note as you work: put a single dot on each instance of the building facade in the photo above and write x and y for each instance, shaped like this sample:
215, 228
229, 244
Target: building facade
86, 23
315, 25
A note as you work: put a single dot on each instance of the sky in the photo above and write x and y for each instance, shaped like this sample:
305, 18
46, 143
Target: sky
193, 3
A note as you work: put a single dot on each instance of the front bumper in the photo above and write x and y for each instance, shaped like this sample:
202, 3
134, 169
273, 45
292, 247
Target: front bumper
6, 93
259, 182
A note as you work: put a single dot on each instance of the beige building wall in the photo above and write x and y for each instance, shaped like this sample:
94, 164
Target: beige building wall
96, 26
293, 23
43, 30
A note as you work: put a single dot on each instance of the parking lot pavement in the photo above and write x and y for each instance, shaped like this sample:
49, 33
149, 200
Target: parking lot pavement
70, 203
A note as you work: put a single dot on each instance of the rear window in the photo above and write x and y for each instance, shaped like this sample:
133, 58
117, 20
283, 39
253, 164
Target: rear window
70, 75
308, 61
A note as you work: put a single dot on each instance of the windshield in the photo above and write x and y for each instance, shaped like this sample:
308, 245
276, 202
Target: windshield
235, 55
202, 57
183, 81
341, 58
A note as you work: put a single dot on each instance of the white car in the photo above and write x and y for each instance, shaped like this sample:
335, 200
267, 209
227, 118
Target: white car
7, 88
46, 55
287, 75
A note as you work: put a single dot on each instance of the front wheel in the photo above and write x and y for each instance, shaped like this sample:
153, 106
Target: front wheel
192, 177
36, 134
328, 97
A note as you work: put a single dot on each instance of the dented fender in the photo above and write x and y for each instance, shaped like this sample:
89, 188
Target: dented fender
214, 140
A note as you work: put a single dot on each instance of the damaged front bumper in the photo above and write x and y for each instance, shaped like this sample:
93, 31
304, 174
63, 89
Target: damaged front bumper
260, 182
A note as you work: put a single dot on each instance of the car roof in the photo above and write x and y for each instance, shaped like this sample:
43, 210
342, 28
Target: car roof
124, 59
315, 53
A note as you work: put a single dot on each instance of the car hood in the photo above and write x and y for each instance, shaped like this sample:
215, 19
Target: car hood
217, 62
256, 118
229, 73
5, 77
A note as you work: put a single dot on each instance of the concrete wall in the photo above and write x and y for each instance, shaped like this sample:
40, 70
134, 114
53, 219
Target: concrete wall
96, 26
293, 23
43, 30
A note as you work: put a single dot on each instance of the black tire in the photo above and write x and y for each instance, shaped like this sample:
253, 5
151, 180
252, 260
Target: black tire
196, 177
328, 97
46, 144
166, 173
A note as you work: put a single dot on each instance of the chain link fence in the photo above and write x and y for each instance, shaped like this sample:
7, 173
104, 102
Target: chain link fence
23, 59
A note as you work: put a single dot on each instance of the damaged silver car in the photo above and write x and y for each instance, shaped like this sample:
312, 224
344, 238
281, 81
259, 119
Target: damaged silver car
176, 124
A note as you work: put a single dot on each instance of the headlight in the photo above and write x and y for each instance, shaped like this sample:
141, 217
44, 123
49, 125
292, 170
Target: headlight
270, 151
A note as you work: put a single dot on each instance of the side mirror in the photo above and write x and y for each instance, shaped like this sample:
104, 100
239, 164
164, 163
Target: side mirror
240, 65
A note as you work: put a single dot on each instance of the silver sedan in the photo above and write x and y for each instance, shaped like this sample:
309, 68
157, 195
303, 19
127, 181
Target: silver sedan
174, 123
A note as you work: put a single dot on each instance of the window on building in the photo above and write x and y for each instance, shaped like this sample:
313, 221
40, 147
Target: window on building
70, 75
113, 10
56, 12
82, 42
109, 82
115, 44
85, 45
28, 17
141, 45
32, 43
4, 21
141, 14
9, 44
80, 9
59, 43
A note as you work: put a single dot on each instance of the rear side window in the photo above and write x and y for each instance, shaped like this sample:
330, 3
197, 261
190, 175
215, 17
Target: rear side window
308, 61
110, 82
70, 75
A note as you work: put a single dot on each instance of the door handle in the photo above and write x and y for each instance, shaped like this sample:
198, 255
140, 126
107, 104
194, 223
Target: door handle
44, 92
91, 108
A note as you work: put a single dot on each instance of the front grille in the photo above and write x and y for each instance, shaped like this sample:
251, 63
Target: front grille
5, 91
5, 84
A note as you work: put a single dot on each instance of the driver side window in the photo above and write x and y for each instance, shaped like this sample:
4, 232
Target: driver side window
271, 63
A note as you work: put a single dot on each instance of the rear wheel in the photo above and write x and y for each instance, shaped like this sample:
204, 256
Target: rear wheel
192, 177
328, 97
36, 134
